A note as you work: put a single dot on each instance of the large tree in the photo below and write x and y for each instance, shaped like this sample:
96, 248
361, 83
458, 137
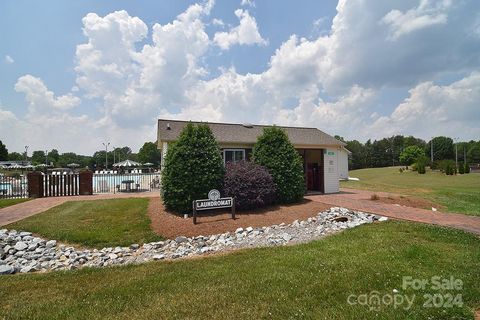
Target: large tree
473, 154
149, 153
53, 156
15, 156
3, 152
443, 148
193, 166
410, 154
274, 151
38, 156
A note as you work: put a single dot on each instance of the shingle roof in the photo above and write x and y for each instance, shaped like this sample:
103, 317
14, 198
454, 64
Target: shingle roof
243, 134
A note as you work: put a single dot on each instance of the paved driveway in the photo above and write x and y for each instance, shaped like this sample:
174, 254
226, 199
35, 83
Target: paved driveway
360, 200
29, 208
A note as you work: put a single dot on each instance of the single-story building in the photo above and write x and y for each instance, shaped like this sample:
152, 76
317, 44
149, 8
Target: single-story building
325, 159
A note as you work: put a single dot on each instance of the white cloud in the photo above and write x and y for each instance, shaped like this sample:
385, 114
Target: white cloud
134, 84
246, 33
40, 99
9, 59
432, 109
134, 74
250, 3
425, 15
218, 22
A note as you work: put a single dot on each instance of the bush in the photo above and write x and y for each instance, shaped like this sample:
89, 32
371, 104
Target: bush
449, 169
461, 169
250, 184
421, 164
421, 169
466, 168
274, 151
446, 166
193, 166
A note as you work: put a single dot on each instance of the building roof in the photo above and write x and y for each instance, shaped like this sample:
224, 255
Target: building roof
246, 133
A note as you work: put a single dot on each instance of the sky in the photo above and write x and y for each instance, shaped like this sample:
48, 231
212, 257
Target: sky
74, 74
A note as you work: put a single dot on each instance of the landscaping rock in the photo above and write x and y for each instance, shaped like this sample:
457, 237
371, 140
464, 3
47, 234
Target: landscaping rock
181, 239
51, 244
21, 252
6, 269
20, 246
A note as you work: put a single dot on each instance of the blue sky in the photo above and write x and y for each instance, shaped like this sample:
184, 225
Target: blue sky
76, 73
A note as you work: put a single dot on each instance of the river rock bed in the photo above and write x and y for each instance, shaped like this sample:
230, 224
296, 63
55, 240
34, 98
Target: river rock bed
22, 252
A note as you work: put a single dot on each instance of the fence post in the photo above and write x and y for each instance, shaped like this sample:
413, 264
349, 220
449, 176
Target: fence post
35, 184
86, 182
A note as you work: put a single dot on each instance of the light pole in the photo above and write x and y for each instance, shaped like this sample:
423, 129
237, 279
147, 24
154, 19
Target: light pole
456, 153
26, 154
431, 150
106, 154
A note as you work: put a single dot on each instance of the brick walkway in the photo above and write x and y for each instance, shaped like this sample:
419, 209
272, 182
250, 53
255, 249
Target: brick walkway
29, 208
349, 198
360, 200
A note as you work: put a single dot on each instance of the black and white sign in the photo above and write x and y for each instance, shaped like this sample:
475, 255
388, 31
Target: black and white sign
213, 202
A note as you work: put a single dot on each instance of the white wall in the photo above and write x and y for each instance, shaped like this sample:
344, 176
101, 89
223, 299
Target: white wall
332, 183
342, 164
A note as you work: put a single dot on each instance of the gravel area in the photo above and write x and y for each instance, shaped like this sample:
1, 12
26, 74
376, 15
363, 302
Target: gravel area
22, 252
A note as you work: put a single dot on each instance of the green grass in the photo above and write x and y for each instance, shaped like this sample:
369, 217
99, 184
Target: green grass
309, 281
459, 193
97, 223
10, 202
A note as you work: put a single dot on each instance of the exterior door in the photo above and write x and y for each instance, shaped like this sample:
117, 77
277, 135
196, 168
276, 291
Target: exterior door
313, 177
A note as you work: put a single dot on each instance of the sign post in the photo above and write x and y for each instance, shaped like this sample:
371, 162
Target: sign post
213, 202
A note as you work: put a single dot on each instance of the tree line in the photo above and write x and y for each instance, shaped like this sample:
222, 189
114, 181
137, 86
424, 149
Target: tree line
147, 153
387, 151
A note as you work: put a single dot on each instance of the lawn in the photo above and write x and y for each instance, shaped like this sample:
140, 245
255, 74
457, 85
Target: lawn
97, 223
10, 202
309, 281
460, 193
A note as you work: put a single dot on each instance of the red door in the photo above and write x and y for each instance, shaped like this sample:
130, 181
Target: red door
313, 177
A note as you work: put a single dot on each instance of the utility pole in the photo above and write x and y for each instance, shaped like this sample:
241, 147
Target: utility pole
431, 150
106, 154
26, 154
46, 159
456, 152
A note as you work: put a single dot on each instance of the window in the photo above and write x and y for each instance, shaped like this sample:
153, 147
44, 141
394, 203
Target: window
233, 155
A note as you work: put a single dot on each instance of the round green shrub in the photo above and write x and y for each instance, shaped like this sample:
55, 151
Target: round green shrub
193, 166
250, 184
274, 151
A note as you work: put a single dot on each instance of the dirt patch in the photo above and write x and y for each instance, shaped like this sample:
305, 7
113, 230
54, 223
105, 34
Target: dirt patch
170, 225
408, 202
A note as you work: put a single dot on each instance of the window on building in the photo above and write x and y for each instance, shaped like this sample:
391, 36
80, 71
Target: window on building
233, 155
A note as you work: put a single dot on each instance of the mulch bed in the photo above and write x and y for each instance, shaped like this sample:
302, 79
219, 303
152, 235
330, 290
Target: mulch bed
171, 225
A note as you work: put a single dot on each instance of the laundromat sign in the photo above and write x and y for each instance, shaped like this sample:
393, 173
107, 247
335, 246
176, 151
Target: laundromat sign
214, 201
